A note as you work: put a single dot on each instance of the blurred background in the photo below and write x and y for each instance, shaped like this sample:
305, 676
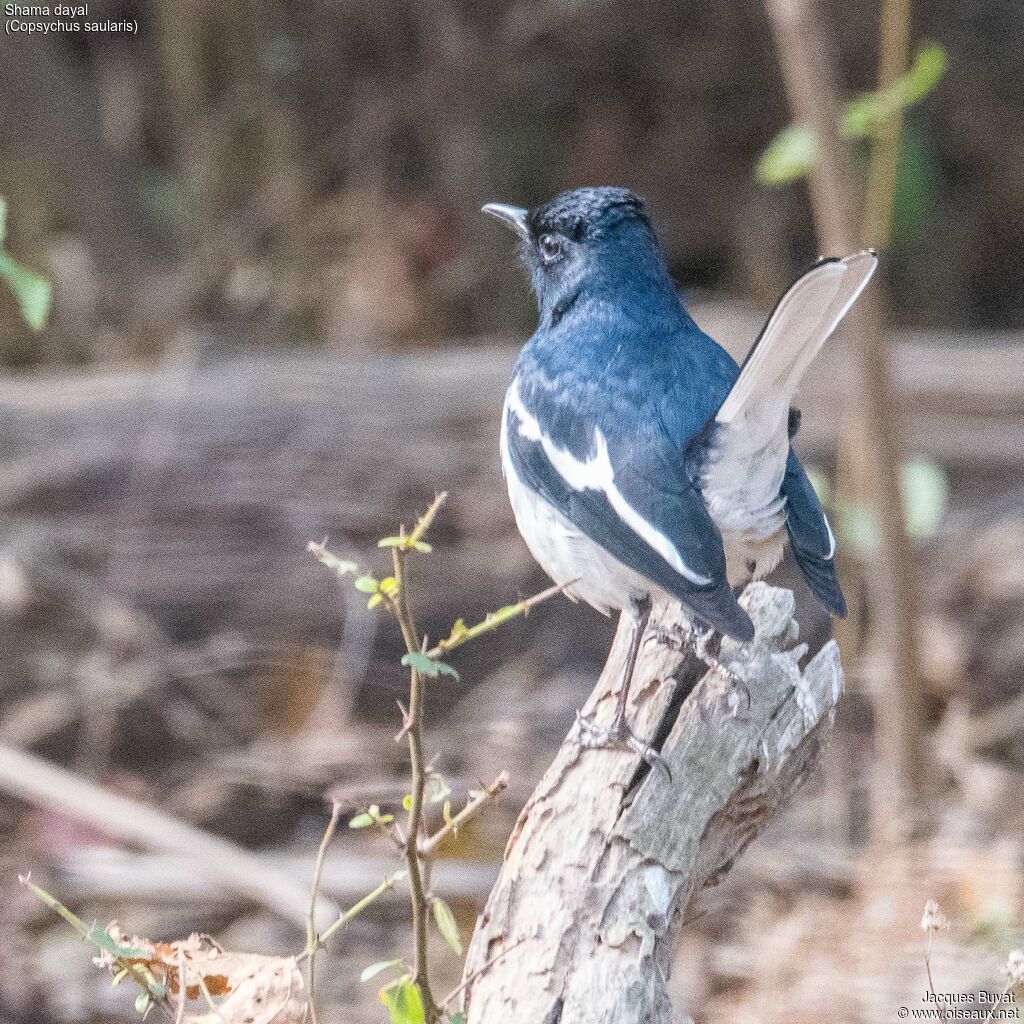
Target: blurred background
277, 316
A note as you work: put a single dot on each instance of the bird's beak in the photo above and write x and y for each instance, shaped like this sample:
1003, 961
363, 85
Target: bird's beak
513, 216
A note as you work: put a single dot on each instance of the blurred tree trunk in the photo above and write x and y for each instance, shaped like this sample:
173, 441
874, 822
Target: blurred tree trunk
874, 432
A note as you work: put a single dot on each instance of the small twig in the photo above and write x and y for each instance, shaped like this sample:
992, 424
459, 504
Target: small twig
312, 939
944, 1013
393, 832
492, 620
214, 1008
999, 1002
883, 167
466, 982
126, 958
182, 986
406, 722
354, 911
427, 519
470, 811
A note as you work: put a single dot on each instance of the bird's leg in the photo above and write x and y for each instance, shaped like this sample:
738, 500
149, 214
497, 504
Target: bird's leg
689, 640
619, 733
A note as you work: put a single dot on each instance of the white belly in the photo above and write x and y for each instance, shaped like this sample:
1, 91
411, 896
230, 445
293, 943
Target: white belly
565, 553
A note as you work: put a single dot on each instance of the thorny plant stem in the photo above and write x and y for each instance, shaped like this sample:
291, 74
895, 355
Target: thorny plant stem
482, 969
494, 619
312, 939
414, 735
470, 811
354, 911
418, 849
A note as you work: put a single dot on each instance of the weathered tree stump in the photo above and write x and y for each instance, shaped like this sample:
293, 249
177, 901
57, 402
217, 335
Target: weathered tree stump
607, 854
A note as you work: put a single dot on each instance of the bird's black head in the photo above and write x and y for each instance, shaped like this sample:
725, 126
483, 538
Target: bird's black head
589, 242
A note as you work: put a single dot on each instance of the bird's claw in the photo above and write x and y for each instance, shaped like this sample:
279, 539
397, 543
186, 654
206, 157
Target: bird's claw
619, 736
731, 694
686, 639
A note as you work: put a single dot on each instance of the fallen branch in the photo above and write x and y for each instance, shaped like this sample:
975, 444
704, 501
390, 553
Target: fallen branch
35, 780
118, 876
607, 856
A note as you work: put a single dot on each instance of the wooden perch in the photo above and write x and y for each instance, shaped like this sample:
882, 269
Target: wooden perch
607, 855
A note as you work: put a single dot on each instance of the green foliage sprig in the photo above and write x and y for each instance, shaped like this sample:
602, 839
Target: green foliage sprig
792, 154
32, 292
408, 997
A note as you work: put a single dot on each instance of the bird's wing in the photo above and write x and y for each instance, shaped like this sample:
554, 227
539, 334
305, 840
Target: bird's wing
799, 325
811, 538
621, 482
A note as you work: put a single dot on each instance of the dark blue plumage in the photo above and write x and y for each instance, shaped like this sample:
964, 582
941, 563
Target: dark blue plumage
639, 456
649, 382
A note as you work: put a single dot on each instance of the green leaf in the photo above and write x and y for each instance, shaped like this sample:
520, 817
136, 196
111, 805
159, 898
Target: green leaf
375, 600
866, 114
928, 67
407, 801
925, 497
422, 546
32, 291
427, 666
856, 525
404, 1002
366, 584
378, 968
391, 542
445, 921
363, 820
792, 153
788, 157
143, 1001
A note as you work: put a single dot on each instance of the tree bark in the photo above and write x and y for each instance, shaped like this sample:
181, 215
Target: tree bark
607, 854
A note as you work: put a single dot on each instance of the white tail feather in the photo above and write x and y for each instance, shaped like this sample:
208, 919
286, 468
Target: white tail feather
800, 324
746, 463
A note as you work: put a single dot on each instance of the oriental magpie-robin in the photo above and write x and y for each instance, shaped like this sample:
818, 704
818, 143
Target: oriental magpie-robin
639, 458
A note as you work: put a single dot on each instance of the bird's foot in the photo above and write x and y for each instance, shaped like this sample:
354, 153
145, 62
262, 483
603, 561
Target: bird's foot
689, 640
731, 694
619, 736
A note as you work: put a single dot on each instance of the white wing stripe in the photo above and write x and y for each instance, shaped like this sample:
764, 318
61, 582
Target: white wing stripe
831, 539
597, 474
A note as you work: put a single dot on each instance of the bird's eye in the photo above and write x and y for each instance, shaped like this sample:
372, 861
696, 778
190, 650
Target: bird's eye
550, 247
